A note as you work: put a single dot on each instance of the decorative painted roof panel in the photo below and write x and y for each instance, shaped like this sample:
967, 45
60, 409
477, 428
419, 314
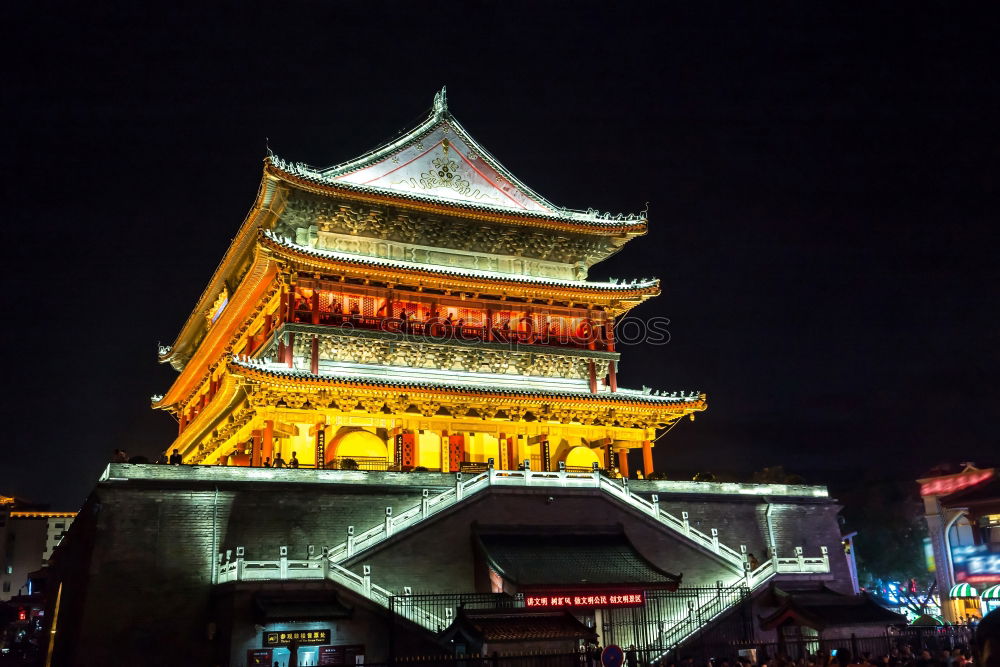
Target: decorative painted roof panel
439, 161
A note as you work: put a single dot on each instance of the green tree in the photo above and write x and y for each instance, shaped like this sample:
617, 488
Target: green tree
888, 517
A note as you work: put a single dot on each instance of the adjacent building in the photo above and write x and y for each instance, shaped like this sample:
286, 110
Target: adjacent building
963, 519
28, 534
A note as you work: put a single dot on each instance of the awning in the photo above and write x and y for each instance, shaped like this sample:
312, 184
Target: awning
991, 593
927, 620
962, 591
571, 559
506, 625
821, 608
299, 606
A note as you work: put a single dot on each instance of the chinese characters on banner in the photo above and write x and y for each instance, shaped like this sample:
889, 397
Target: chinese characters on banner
301, 637
627, 599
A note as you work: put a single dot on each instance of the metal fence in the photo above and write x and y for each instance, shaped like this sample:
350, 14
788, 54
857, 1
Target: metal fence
666, 619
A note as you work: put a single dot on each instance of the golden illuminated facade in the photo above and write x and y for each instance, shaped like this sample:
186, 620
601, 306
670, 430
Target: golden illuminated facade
417, 307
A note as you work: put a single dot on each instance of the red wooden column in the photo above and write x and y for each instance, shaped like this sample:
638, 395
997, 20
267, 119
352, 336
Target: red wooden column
315, 306
592, 370
609, 334
512, 452
268, 321
255, 446
489, 324
290, 307
456, 452
314, 356
267, 445
613, 375
623, 461
282, 307
181, 422
647, 458
290, 349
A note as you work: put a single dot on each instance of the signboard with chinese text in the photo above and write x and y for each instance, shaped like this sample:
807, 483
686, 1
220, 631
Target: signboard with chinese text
617, 599
977, 564
259, 656
300, 637
340, 655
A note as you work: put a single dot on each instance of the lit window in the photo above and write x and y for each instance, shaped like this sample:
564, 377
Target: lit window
10, 569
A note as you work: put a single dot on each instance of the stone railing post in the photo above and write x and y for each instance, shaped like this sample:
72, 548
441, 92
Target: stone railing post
687, 524
826, 558
350, 541
715, 540
458, 486
388, 521
654, 500
366, 578
240, 562
424, 503
283, 562
800, 558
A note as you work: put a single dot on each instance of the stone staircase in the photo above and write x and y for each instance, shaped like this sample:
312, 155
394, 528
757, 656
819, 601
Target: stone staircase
329, 563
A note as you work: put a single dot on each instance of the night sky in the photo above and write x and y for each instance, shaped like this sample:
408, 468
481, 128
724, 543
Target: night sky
822, 188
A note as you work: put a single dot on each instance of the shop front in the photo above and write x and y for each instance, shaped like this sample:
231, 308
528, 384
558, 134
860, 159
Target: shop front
303, 648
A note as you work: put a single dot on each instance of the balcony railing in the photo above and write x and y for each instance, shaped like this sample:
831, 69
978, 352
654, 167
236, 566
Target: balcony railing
591, 338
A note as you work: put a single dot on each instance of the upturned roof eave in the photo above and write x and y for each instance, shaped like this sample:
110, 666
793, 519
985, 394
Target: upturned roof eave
612, 226
690, 403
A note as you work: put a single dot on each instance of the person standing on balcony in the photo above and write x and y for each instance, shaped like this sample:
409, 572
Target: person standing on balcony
175, 458
294, 461
278, 461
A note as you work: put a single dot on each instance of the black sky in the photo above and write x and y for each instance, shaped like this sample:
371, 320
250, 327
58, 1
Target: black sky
822, 184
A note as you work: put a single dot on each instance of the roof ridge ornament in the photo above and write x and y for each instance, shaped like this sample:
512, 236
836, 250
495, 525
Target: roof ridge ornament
441, 102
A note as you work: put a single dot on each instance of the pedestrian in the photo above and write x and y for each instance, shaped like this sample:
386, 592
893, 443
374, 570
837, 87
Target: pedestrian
175, 458
278, 461
267, 462
294, 461
631, 657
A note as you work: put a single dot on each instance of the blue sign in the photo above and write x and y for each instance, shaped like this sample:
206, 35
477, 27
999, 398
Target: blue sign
612, 656
977, 564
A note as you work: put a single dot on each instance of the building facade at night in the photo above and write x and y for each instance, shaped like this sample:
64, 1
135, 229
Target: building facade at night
28, 534
414, 332
962, 510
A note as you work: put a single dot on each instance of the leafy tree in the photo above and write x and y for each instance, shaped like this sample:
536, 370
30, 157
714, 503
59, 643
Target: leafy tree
889, 546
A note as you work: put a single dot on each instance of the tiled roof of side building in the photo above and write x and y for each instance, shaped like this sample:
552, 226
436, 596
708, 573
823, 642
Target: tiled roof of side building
607, 559
439, 162
263, 368
645, 284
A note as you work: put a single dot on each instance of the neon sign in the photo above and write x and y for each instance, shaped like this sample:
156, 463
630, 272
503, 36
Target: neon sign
945, 485
629, 599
